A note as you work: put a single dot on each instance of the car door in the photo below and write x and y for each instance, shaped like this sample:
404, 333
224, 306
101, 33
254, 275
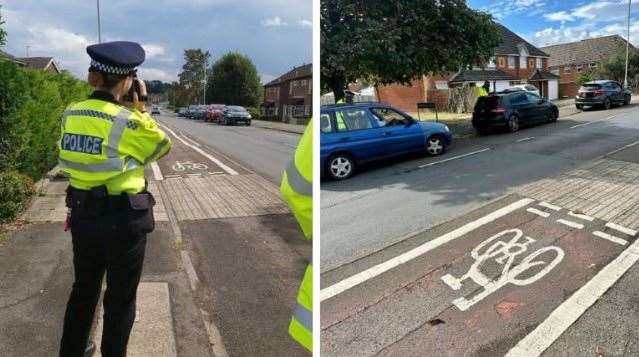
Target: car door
537, 111
356, 133
617, 92
401, 132
520, 104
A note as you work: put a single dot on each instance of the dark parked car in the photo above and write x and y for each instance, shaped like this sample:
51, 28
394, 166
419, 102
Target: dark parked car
234, 114
214, 112
352, 134
155, 110
603, 93
182, 112
511, 111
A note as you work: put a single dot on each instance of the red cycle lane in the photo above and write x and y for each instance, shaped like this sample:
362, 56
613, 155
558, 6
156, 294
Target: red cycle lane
478, 294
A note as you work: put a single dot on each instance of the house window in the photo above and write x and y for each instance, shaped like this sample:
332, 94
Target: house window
491, 63
555, 71
523, 62
593, 65
579, 68
502, 62
511, 61
540, 64
567, 70
514, 83
441, 85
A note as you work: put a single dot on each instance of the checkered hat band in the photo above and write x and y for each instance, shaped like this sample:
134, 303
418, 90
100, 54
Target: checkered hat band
111, 69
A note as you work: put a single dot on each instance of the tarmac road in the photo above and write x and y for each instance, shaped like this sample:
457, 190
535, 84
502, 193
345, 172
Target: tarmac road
388, 201
526, 247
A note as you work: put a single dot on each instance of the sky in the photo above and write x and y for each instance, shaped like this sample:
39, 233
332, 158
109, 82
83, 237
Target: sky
275, 34
547, 22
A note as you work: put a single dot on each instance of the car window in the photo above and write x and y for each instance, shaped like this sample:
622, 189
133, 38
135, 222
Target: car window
532, 98
325, 123
388, 117
519, 98
352, 119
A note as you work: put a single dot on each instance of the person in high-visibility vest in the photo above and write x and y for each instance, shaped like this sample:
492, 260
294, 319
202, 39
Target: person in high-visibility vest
297, 191
105, 143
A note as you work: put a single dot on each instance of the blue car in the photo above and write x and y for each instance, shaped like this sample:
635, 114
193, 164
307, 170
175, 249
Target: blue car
352, 134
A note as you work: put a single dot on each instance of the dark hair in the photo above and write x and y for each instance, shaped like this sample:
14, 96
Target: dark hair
110, 80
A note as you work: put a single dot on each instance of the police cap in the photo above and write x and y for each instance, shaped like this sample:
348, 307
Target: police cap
117, 57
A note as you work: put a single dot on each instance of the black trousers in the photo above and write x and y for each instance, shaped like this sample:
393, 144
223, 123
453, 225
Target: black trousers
113, 242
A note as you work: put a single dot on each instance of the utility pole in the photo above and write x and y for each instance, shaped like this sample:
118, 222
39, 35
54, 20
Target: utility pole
27, 46
625, 81
204, 63
99, 30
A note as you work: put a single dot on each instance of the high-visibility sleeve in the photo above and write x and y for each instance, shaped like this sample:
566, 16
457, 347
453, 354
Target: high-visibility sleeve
143, 139
297, 182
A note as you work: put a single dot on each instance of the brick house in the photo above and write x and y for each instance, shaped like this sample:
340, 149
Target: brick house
46, 64
514, 61
571, 60
8, 57
289, 98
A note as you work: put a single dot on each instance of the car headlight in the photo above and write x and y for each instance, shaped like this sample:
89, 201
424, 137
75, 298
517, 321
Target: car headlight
447, 128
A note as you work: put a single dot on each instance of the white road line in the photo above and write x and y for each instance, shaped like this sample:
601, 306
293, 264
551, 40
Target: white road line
622, 148
612, 116
571, 223
215, 337
548, 205
381, 268
538, 212
581, 216
610, 237
622, 229
190, 270
190, 140
156, 171
584, 124
453, 158
536, 342
216, 172
525, 139
219, 163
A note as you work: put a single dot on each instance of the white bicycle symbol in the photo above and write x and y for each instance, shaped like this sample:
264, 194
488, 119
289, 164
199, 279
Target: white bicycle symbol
503, 253
188, 165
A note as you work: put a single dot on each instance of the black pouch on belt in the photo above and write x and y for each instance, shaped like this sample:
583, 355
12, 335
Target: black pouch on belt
141, 220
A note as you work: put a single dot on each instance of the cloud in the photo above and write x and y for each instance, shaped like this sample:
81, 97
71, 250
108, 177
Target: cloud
306, 23
559, 16
153, 51
503, 8
274, 22
156, 74
551, 36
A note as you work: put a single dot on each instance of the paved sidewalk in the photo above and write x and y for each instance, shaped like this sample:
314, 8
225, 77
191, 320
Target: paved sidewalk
290, 128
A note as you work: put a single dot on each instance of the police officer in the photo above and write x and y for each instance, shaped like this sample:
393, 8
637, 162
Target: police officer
104, 146
297, 191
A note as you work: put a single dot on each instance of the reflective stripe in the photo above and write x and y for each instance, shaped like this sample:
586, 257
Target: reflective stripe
158, 149
119, 123
131, 163
89, 113
111, 164
297, 182
304, 316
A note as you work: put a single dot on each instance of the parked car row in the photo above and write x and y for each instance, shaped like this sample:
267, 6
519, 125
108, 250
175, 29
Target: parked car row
217, 113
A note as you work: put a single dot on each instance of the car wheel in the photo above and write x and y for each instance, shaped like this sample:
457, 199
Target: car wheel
579, 107
435, 145
626, 100
340, 166
513, 123
552, 116
607, 103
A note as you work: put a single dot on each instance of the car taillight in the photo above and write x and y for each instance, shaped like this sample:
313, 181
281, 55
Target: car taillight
499, 110
599, 92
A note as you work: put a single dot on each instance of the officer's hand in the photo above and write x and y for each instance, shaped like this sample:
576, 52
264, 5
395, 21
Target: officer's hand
137, 104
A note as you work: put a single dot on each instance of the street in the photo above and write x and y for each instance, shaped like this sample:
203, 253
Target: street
508, 244
222, 267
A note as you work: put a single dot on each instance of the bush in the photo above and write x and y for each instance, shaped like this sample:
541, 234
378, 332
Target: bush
15, 190
255, 112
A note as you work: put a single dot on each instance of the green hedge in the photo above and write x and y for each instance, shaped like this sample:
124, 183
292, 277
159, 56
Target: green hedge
255, 112
31, 106
15, 190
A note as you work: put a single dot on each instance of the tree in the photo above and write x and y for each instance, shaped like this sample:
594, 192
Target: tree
615, 67
234, 80
192, 75
3, 33
397, 41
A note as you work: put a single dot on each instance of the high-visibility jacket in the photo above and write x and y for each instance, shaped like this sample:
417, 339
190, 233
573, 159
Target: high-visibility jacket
297, 191
103, 143
481, 92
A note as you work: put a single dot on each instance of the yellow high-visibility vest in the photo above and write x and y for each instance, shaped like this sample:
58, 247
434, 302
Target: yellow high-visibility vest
297, 191
103, 143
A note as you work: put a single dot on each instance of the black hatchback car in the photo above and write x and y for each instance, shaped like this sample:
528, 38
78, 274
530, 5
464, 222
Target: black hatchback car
512, 110
603, 93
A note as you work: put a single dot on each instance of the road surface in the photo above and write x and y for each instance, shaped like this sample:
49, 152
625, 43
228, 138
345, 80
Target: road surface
526, 247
